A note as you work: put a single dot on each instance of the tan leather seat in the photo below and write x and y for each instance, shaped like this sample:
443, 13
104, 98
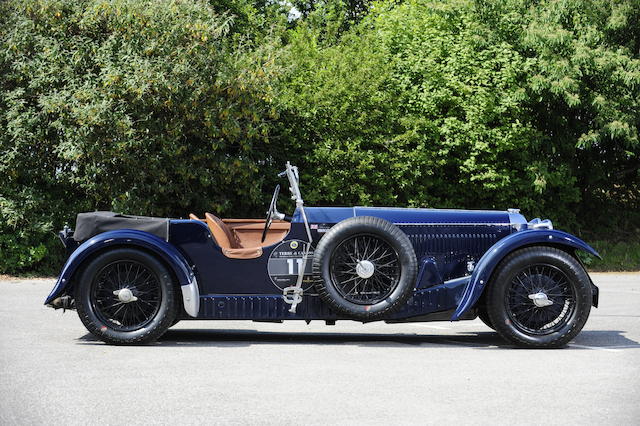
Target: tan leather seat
226, 239
221, 232
249, 231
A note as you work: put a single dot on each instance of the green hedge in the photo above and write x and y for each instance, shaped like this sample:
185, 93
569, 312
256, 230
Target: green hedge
165, 107
616, 256
137, 106
468, 104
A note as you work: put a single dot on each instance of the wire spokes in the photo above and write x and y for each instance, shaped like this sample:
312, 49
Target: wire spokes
535, 283
126, 295
365, 269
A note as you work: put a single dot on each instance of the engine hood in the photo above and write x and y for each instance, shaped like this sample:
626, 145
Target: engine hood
331, 215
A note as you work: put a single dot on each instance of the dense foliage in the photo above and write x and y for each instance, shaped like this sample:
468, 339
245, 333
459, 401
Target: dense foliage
471, 105
137, 106
162, 107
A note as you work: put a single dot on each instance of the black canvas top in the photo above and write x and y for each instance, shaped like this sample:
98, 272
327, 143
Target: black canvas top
94, 223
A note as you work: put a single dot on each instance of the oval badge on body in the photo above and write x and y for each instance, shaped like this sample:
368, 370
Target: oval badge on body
285, 262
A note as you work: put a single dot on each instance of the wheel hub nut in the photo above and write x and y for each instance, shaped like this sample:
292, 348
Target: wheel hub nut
125, 295
365, 269
540, 300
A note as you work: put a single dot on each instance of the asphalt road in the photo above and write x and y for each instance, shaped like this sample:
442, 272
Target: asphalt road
240, 372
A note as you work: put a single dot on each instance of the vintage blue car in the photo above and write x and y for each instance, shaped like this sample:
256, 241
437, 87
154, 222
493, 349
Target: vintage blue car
131, 278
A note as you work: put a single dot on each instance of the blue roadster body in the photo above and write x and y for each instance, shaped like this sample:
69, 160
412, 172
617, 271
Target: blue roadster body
224, 271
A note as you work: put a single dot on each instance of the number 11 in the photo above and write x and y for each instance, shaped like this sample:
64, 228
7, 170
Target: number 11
293, 270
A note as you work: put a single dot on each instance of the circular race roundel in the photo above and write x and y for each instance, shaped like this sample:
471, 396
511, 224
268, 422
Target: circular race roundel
285, 262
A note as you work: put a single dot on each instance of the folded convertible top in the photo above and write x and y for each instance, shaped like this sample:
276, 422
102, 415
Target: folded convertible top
94, 223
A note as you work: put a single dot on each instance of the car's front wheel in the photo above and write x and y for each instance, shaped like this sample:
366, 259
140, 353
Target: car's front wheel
126, 296
539, 297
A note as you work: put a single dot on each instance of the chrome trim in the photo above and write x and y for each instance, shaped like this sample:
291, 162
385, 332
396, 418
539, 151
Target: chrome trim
540, 299
537, 223
450, 224
292, 295
294, 180
191, 297
420, 209
365, 269
518, 221
64, 234
471, 265
456, 281
125, 295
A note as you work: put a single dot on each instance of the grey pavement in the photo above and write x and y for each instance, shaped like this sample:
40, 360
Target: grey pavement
241, 372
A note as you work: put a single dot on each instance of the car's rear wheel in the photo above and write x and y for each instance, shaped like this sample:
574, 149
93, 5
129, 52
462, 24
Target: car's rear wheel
365, 267
539, 297
126, 296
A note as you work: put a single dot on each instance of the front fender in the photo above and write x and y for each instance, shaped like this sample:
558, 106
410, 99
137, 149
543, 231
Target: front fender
502, 248
130, 237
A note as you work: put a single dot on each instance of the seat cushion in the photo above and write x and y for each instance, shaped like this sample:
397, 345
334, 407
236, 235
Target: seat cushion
221, 232
249, 231
243, 253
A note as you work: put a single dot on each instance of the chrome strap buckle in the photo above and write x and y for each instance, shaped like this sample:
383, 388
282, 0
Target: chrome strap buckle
292, 296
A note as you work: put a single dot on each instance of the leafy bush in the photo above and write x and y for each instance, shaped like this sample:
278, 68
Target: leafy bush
161, 107
137, 106
583, 89
417, 106
616, 256
475, 104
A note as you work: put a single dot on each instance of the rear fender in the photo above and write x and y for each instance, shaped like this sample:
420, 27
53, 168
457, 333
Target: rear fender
133, 238
488, 262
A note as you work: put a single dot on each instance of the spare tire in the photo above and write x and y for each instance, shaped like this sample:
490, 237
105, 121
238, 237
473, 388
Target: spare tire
365, 268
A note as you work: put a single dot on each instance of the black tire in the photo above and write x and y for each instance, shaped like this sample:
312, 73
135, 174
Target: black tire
110, 319
523, 275
484, 317
388, 288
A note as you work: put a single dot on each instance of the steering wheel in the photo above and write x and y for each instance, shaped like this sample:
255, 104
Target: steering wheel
272, 209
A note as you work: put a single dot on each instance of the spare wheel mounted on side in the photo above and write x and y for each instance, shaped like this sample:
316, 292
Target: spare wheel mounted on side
365, 267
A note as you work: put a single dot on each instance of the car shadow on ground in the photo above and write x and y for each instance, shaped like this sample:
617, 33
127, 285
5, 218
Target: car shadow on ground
586, 340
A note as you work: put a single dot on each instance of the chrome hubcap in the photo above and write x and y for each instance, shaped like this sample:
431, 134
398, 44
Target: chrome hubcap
365, 269
125, 295
540, 299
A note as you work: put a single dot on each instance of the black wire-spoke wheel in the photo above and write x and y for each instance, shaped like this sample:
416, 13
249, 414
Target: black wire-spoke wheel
539, 297
365, 268
126, 296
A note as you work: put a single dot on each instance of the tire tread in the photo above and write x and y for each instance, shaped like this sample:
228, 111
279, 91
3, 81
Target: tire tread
152, 333
322, 250
494, 307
